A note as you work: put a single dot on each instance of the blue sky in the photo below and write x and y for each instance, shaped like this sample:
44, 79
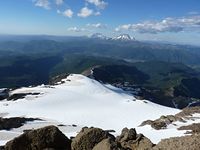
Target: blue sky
159, 20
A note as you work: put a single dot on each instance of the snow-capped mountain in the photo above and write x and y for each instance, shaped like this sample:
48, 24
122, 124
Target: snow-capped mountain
121, 37
99, 36
124, 37
83, 102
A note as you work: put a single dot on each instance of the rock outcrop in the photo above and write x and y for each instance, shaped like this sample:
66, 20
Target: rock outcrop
88, 138
130, 140
107, 144
180, 143
98, 139
15, 122
4, 93
189, 111
49, 137
191, 129
164, 121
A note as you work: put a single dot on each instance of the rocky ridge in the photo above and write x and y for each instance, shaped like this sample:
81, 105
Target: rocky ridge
164, 121
51, 138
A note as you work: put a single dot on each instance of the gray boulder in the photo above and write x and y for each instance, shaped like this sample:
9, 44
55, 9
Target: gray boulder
107, 144
49, 137
88, 138
130, 140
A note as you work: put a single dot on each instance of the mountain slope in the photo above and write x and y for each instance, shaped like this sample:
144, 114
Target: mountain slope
169, 84
82, 101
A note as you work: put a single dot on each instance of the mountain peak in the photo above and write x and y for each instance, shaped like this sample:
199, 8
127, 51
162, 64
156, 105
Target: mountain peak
124, 37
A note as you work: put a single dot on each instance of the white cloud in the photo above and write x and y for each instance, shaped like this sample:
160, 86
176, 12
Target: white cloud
97, 25
68, 13
42, 3
76, 29
165, 25
98, 3
59, 2
85, 12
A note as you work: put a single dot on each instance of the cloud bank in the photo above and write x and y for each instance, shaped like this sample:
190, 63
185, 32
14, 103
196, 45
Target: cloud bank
166, 25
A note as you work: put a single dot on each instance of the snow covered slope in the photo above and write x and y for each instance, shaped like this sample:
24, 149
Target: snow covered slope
84, 102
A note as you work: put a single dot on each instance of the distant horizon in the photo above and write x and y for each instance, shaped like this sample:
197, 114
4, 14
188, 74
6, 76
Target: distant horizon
175, 21
88, 36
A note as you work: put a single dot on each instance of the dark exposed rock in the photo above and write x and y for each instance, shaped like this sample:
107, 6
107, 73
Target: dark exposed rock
147, 122
88, 138
195, 128
188, 111
2, 148
130, 140
49, 137
17, 96
162, 122
61, 125
4, 93
180, 143
158, 125
110, 131
127, 135
56, 79
16, 122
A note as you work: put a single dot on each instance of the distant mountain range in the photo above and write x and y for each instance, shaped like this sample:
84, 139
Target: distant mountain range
164, 72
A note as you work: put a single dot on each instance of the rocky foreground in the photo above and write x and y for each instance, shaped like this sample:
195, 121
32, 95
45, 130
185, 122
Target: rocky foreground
51, 138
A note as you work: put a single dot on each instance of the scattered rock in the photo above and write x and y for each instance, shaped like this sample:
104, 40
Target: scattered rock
16, 122
49, 137
147, 122
195, 128
179, 143
88, 138
61, 125
158, 125
189, 111
162, 122
17, 96
55, 80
